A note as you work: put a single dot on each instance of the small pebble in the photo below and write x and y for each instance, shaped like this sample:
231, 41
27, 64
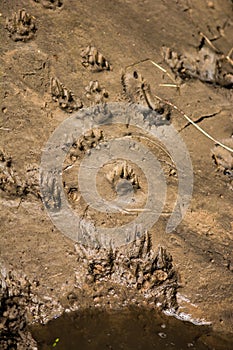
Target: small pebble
210, 4
162, 335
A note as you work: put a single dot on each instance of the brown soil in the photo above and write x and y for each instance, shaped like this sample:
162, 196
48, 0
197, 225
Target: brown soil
48, 47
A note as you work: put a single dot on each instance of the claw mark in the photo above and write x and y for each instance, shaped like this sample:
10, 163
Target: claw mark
52, 194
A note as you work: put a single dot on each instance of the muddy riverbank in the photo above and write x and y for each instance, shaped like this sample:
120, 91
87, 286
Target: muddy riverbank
59, 57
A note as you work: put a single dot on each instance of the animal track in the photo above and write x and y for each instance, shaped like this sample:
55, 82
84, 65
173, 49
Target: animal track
10, 182
95, 92
92, 57
21, 26
137, 90
50, 4
64, 97
86, 142
205, 65
51, 192
224, 158
135, 266
123, 171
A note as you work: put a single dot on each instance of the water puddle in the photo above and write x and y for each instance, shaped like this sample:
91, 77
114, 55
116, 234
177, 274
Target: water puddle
130, 328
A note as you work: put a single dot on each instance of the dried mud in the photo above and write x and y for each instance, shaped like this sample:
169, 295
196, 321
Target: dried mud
60, 56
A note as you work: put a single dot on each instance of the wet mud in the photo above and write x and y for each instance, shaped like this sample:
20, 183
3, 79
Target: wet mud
58, 57
128, 328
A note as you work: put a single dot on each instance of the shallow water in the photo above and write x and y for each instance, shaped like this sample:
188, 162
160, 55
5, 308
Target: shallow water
129, 328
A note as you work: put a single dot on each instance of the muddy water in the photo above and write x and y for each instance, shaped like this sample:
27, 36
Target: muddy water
131, 328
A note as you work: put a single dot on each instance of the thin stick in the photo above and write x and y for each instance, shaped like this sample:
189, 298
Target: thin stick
228, 56
178, 109
5, 129
138, 210
164, 70
159, 67
194, 124
210, 43
169, 85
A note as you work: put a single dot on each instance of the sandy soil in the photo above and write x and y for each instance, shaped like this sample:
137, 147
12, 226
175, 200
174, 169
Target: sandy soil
125, 33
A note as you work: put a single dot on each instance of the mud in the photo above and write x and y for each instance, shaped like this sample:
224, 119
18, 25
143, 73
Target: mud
129, 328
205, 64
16, 297
61, 56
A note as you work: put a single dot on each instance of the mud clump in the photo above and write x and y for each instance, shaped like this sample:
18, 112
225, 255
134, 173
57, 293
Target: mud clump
65, 98
224, 158
11, 184
205, 65
21, 26
9, 181
15, 297
91, 57
50, 4
136, 268
95, 93
86, 142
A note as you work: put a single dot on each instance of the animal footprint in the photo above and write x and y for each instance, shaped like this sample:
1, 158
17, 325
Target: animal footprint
92, 57
21, 26
64, 97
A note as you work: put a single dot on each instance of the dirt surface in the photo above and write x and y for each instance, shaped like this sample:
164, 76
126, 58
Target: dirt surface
60, 56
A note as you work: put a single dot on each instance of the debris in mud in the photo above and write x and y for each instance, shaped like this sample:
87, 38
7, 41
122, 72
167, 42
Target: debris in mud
137, 90
224, 158
136, 267
64, 97
123, 171
205, 65
50, 4
96, 93
15, 299
92, 57
21, 26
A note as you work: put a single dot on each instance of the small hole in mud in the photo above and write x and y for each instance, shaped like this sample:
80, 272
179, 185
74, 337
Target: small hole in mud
161, 110
135, 75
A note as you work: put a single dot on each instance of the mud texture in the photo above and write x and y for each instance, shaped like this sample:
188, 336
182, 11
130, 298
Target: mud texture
15, 299
58, 57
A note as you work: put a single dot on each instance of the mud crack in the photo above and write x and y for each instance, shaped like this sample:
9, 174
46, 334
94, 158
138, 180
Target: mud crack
200, 119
